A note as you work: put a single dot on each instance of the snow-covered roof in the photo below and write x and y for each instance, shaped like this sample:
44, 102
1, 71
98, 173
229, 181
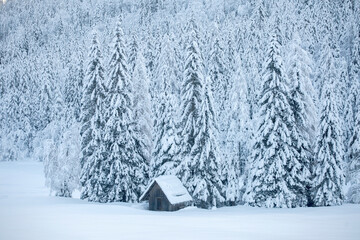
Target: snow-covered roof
172, 187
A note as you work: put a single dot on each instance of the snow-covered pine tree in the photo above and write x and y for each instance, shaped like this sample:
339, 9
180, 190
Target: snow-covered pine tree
47, 93
353, 195
354, 79
204, 179
238, 135
275, 178
200, 165
329, 177
219, 82
133, 52
127, 167
302, 97
93, 149
163, 160
192, 82
191, 94
142, 105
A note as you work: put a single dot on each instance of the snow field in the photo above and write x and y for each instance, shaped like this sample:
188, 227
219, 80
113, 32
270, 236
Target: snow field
28, 212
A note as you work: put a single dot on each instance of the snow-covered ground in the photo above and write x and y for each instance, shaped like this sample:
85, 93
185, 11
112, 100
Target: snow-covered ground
28, 212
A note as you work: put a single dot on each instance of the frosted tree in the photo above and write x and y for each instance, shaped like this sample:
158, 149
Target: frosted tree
353, 119
353, 97
238, 135
251, 41
126, 177
218, 73
47, 93
302, 97
191, 93
329, 176
93, 149
204, 169
142, 105
74, 85
61, 164
353, 195
133, 52
275, 177
163, 160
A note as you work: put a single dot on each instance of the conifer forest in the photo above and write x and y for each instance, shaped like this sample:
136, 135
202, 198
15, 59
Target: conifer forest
247, 102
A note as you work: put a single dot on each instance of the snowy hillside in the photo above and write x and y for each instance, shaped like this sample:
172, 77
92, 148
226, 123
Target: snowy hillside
247, 102
27, 212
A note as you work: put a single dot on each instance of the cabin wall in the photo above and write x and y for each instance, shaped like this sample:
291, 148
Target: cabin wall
156, 195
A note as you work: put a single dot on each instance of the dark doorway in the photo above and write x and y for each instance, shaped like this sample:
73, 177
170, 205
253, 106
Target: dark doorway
158, 204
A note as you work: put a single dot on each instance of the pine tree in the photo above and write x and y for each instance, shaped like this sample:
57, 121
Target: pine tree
134, 47
200, 164
218, 73
204, 177
93, 149
329, 177
163, 160
142, 105
238, 135
274, 179
127, 167
47, 94
353, 195
302, 103
190, 93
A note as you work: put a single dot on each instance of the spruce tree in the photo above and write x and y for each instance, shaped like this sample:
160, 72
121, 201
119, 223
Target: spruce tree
275, 177
218, 73
238, 135
353, 195
93, 149
303, 107
192, 84
142, 105
164, 160
329, 178
127, 167
204, 180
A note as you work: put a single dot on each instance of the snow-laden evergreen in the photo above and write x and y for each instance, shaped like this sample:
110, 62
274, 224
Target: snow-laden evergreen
353, 195
125, 164
93, 148
302, 97
354, 165
328, 171
220, 85
200, 165
152, 115
142, 105
204, 170
164, 161
237, 148
61, 163
191, 96
275, 178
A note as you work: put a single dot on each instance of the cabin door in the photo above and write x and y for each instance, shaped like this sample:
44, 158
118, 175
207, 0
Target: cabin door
158, 204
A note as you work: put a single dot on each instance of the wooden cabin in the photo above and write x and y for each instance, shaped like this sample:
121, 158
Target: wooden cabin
166, 193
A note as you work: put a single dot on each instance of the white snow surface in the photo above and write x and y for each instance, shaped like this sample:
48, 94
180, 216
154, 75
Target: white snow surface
173, 189
28, 212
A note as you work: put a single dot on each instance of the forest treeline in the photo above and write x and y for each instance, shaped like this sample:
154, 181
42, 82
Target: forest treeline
250, 102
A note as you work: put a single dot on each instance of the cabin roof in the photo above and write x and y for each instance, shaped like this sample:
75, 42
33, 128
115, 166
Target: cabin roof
172, 187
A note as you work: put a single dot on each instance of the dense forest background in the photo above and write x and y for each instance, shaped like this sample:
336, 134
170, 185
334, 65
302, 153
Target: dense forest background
223, 94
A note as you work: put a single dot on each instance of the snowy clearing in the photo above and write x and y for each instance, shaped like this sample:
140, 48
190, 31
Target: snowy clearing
28, 212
